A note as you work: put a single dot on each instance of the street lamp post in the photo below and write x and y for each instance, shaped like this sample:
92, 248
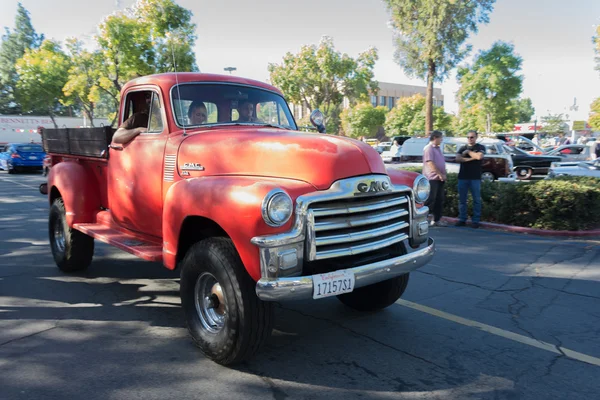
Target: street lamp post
230, 69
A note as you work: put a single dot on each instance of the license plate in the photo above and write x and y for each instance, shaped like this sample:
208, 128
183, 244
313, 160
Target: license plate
32, 157
332, 284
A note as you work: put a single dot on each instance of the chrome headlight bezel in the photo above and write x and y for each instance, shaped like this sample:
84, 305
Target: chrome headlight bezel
271, 200
419, 185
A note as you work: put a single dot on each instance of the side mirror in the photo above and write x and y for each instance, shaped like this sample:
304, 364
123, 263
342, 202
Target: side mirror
316, 118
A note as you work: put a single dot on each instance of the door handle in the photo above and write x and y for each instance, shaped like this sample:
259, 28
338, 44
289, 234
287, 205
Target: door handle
114, 147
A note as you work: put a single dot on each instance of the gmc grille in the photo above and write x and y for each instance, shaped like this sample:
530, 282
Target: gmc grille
361, 224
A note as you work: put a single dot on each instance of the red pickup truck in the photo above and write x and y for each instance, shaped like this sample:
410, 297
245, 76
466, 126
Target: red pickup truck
251, 211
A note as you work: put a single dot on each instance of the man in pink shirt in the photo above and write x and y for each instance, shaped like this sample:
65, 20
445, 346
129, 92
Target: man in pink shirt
434, 169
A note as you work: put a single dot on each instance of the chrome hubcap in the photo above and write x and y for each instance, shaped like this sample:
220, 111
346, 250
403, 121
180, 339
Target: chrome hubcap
210, 303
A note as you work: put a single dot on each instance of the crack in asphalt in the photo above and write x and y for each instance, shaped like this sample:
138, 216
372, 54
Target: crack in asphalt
339, 325
556, 358
28, 336
468, 283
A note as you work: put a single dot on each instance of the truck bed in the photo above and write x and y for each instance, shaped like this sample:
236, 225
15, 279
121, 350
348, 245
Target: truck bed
87, 142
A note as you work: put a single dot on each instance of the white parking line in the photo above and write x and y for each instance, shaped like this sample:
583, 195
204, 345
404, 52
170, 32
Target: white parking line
502, 333
18, 183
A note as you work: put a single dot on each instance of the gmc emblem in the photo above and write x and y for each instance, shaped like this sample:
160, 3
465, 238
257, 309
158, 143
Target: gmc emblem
373, 186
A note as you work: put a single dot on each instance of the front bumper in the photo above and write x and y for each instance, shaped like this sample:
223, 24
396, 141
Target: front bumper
301, 287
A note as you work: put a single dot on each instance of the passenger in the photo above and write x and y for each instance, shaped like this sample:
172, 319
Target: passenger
197, 113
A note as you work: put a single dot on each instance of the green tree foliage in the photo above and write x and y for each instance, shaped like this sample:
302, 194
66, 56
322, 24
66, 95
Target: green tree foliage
554, 123
407, 118
13, 47
594, 120
154, 36
430, 36
82, 84
43, 73
363, 120
493, 83
320, 77
523, 109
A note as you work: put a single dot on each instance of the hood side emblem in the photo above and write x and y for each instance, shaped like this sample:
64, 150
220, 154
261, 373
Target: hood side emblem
191, 167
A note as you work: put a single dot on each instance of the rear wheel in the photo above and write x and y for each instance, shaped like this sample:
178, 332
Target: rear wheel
376, 296
225, 318
524, 173
72, 250
488, 176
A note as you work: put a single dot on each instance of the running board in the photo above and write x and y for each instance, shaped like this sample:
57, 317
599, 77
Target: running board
148, 250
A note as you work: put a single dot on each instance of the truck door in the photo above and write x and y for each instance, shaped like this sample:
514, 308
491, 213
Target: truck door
135, 169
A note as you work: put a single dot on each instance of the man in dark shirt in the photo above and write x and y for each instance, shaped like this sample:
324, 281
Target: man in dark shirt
134, 125
469, 179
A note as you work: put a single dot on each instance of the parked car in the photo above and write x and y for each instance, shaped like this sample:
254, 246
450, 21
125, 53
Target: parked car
391, 154
572, 152
585, 168
16, 157
526, 165
497, 163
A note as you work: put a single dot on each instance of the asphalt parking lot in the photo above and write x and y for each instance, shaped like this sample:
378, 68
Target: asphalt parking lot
494, 316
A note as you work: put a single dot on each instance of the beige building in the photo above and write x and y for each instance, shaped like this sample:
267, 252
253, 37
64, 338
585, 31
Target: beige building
390, 93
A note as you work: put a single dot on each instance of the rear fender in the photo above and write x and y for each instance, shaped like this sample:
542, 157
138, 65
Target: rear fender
78, 189
233, 203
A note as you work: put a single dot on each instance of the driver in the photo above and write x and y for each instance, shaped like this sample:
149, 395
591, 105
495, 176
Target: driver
246, 112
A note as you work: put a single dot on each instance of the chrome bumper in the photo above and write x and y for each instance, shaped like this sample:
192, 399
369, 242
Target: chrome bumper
301, 287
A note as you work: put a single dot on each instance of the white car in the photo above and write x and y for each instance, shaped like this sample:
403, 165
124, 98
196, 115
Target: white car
391, 154
585, 168
572, 152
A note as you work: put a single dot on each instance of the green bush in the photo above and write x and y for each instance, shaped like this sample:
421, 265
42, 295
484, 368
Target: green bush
565, 203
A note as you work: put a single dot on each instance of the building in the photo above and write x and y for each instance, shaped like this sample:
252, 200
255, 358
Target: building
390, 93
23, 128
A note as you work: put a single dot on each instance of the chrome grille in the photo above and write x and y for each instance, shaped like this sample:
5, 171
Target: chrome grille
339, 228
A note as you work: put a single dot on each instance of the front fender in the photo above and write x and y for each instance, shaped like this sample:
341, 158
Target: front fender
78, 189
234, 203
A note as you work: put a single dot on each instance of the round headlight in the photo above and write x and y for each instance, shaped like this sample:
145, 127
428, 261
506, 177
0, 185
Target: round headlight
277, 208
421, 189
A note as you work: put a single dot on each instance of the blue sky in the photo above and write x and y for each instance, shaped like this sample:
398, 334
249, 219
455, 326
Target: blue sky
552, 36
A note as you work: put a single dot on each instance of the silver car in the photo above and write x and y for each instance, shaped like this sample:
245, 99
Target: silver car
585, 168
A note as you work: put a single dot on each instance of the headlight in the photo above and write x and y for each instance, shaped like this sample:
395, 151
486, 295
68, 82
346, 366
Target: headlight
421, 189
277, 208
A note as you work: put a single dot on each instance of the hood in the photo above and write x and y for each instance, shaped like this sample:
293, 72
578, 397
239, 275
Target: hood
270, 152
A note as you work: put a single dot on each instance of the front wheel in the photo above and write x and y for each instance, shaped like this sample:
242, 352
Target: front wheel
225, 318
72, 250
376, 296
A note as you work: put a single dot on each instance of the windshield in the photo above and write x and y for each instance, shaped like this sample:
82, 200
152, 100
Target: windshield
214, 104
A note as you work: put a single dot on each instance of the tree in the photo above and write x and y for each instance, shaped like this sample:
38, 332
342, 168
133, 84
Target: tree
492, 82
82, 83
320, 77
554, 123
407, 118
594, 120
13, 48
523, 109
363, 120
43, 73
430, 36
153, 36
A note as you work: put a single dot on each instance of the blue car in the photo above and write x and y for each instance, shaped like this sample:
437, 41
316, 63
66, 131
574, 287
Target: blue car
15, 157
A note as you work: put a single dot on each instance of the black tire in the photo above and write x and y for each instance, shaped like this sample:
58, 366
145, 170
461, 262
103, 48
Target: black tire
72, 250
227, 333
524, 173
11, 170
377, 296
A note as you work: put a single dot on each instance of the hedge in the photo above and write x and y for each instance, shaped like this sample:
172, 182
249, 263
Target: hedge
564, 203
